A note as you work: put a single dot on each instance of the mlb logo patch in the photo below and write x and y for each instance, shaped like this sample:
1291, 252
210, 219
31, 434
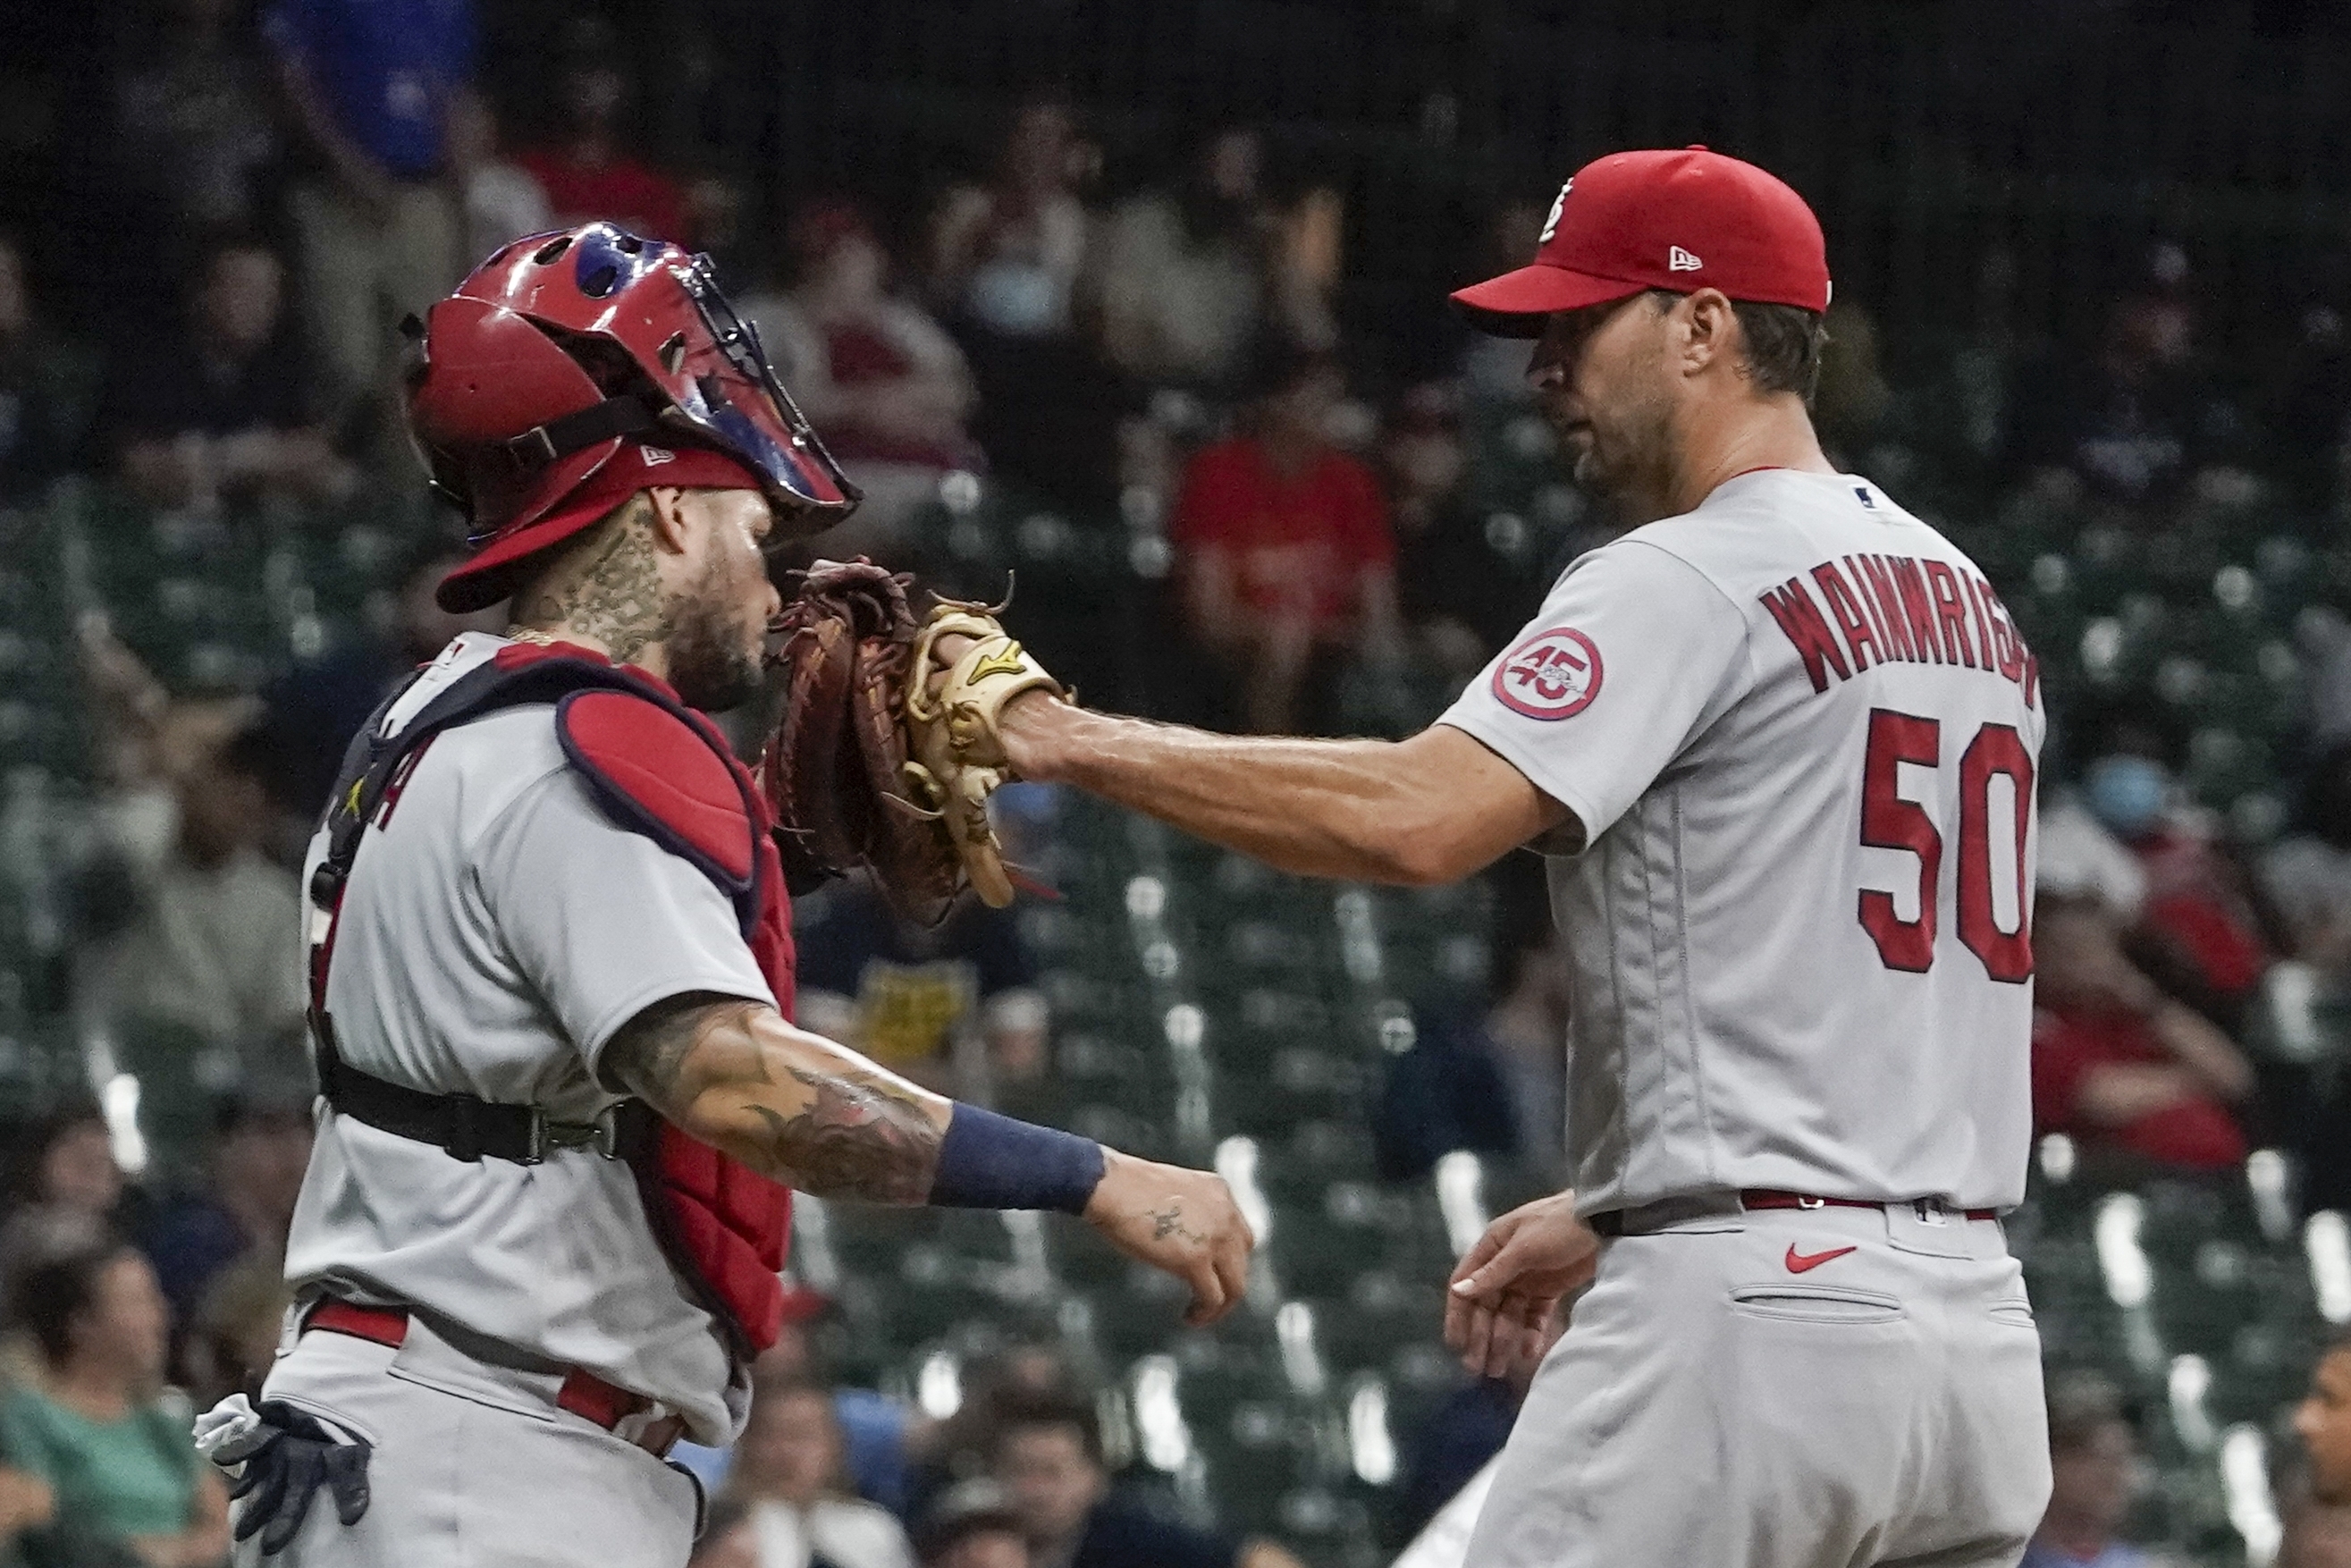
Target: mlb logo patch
1861, 493
1552, 675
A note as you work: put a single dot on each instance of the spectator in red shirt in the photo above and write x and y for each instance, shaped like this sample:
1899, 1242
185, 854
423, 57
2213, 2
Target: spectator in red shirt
1283, 549
588, 174
2117, 1065
2206, 940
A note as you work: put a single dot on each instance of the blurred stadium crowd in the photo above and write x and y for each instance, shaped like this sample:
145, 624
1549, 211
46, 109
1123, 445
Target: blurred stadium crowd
1187, 372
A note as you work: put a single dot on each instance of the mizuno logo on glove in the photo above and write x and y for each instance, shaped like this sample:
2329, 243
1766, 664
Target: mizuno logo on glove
1008, 662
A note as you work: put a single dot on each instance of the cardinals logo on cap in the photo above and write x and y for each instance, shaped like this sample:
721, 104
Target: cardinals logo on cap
1669, 219
1551, 219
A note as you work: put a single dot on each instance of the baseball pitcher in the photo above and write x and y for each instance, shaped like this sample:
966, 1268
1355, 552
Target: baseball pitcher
1778, 742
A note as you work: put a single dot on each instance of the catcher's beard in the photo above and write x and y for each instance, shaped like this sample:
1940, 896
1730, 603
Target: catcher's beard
716, 649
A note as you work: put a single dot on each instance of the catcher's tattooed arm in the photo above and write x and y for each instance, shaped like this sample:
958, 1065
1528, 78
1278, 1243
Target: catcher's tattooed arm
1429, 809
805, 1110
789, 1104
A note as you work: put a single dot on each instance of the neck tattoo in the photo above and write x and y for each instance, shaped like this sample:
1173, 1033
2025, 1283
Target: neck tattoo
613, 597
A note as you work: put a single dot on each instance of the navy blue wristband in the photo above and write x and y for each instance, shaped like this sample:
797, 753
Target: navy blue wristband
988, 1161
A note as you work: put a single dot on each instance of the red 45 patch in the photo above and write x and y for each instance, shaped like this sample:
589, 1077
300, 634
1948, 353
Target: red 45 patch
1552, 675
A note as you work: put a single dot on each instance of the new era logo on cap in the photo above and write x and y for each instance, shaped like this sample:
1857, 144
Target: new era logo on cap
655, 455
1635, 221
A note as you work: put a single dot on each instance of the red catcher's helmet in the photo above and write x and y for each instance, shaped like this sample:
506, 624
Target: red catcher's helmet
560, 347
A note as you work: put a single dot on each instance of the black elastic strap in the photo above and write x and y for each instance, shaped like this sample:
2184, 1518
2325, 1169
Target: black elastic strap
464, 1125
542, 444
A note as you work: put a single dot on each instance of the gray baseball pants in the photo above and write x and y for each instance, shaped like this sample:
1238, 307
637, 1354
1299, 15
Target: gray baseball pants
473, 1467
1816, 1388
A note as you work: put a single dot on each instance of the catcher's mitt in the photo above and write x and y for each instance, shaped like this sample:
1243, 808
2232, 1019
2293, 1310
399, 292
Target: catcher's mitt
865, 769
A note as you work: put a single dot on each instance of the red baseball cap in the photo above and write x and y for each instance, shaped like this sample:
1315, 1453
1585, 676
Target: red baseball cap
1683, 219
490, 574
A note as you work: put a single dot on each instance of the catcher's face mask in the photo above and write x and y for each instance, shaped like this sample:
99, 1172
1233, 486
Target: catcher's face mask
561, 348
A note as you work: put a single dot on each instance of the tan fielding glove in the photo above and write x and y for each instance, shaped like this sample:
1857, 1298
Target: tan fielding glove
958, 753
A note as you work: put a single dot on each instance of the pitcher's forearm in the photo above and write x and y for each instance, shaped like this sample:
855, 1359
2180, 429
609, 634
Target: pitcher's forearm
1429, 809
1315, 808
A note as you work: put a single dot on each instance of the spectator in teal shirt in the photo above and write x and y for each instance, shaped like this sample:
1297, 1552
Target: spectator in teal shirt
115, 1451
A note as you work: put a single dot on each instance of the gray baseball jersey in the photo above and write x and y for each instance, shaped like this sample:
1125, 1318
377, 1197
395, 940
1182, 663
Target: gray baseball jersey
1800, 734
500, 927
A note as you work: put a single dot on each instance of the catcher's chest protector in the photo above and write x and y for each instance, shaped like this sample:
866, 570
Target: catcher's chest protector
663, 770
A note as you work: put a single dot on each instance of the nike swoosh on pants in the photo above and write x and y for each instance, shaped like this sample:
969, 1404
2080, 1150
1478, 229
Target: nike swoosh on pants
1804, 1262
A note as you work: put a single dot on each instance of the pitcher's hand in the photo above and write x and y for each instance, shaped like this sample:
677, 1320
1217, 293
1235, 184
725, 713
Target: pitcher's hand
1503, 1291
1183, 1221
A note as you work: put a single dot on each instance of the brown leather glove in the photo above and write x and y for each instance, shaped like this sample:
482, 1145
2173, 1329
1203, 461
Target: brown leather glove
869, 766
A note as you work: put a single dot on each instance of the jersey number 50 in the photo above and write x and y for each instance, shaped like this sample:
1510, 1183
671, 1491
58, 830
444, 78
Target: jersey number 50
1889, 821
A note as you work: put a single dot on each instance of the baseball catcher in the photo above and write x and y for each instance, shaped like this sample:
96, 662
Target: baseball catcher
550, 961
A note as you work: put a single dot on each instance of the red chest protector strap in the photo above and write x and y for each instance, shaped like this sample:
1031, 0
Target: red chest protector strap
659, 769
